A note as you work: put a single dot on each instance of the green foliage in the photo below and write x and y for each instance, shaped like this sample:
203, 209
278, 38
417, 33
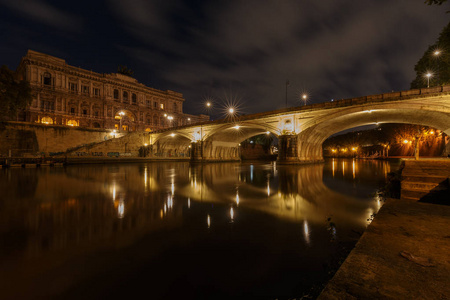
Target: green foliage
14, 94
438, 2
437, 65
124, 71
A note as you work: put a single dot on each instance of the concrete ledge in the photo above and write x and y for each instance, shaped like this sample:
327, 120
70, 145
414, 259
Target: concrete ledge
404, 254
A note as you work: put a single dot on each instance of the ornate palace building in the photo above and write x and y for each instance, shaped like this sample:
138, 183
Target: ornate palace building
67, 95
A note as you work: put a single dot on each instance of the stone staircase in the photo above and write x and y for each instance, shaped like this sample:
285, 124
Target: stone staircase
426, 179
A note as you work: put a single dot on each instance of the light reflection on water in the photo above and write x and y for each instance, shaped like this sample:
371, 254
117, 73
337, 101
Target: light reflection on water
295, 216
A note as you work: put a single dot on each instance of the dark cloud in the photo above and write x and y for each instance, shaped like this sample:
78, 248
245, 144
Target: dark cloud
332, 49
44, 12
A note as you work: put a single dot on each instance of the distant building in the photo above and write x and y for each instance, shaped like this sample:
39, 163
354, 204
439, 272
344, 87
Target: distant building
67, 95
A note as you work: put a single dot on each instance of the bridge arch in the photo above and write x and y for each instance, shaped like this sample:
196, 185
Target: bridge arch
316, 131
240, 131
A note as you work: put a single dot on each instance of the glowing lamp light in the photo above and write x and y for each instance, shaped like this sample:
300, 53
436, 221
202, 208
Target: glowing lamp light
172, 134
431, 132
231, 110
145, 145
237, 127
405, 142
267, 132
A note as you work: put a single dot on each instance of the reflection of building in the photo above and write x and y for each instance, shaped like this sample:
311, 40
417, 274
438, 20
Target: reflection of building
67, 95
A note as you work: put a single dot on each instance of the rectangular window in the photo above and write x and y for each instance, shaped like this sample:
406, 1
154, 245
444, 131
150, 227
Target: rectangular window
147, 102
84, 111
96, 91
96, 113
85, 89
73, 87
161, 105
72, 110
155, 104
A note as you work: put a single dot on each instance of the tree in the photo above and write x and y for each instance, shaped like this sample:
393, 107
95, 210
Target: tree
436, 61
124, 71
14, 94
437, 2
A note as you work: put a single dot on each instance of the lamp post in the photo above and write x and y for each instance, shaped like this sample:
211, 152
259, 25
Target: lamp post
287, 84
170, 118
121, 114
437, 53
428, 75
304, 97
208, 105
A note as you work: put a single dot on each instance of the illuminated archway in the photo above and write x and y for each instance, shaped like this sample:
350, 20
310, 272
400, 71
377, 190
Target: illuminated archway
72, 123
46, 120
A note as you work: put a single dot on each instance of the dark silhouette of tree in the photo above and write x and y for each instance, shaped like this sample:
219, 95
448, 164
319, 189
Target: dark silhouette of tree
437, 2
124, 71
436, 61
15, 94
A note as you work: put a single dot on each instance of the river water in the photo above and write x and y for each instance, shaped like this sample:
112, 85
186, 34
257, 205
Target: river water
172, 230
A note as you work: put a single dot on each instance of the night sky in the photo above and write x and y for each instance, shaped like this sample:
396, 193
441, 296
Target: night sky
233, 51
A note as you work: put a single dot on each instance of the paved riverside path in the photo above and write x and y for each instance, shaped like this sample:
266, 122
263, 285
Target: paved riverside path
403, 254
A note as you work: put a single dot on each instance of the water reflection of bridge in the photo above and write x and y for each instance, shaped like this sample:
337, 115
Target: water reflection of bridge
291, 193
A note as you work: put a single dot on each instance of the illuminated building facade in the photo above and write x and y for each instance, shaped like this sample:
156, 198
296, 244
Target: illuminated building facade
72, 96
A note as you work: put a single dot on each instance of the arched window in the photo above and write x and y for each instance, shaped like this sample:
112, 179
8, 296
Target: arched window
47, 78
116, 94
125, 96
72, 123
47, 120
133, 99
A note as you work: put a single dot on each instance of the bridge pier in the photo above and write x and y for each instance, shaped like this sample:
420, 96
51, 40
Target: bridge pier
197, 151
293, 150
287, 149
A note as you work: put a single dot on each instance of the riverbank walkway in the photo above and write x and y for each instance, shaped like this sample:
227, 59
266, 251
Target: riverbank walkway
403, 254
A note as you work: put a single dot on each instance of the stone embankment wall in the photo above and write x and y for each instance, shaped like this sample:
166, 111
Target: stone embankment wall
25, 139
128, 144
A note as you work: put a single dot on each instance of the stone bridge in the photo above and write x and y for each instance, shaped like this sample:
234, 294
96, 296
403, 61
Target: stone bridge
300, 130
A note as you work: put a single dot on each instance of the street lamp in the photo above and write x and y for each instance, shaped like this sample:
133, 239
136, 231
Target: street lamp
121, 114
304, 97
428, 75
170, 118
437, 53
